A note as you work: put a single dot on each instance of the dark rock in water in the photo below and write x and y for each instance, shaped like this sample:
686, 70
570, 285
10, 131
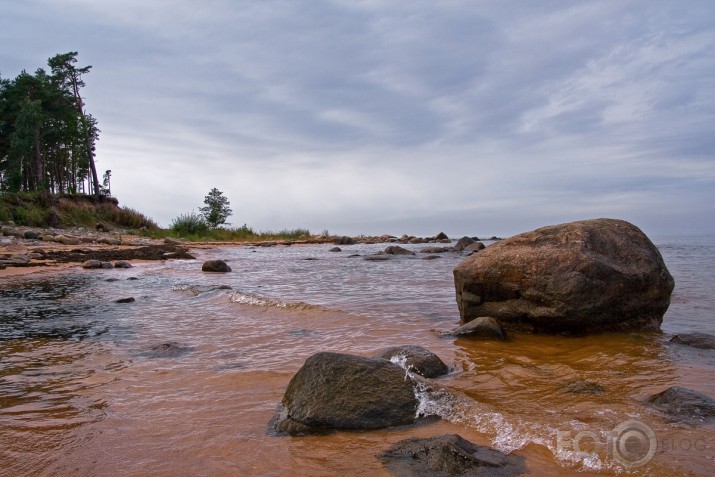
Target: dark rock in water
340, 391
684, 404
463, 243
581, 277
132, 278
110, 280
441, 236
336, 249
215, 266
583, 387
695, 340
345, 240
474, 247
446, 456
481, 327
415, 359
434, 250
170, 349
122, 264
397, 250
377, 257
125, 300
431, 257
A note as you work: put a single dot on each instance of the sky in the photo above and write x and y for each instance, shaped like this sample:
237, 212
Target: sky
375, 116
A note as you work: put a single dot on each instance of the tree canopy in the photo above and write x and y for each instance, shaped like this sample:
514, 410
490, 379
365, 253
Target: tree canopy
47, 141
216, 210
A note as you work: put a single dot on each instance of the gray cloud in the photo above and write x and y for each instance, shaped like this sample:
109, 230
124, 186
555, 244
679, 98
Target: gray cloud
372, 116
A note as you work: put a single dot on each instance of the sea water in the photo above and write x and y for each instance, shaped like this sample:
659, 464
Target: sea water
184, 380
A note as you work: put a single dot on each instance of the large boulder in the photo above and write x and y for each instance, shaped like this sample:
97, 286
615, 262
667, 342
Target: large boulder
414, 359
463, 243
581, 277
341, 391
448, 455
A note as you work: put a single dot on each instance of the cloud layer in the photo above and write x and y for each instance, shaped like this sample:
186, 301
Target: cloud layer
374, 116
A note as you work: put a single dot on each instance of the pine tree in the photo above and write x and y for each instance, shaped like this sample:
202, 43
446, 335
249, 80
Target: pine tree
216, 210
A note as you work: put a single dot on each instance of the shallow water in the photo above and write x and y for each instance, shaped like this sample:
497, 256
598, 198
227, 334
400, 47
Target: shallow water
184, 380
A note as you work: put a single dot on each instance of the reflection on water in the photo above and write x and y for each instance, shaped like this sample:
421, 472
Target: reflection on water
184, 380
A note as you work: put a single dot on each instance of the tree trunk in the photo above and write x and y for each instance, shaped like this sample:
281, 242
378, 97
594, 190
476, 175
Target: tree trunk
39, 169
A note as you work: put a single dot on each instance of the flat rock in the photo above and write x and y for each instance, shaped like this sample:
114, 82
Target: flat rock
446, 456
415, 359
695, 340
340, 391
377, 257
125, 300
434, 250
582, 277
684, 404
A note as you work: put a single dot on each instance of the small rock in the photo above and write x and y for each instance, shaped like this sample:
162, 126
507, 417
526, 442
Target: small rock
415, 359
474, 247
215, 266
31, 235
107, 265
431, 257
441, 236
446, 456
122, 264
684, 404
336, 249
463, 243
695, 340
92, 264
397, 250
125, 300
170, 349
109, 241
67, 240
481, 327
20, 258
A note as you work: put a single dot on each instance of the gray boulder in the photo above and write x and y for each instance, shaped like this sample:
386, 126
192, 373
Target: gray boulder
446, 456
215, 266
92, 264
344, 240
441, 236
481, 327
684, 404
31, 235
339, 391
463, 243
414, 359
122, 264
435, 250
581, 277
695, 340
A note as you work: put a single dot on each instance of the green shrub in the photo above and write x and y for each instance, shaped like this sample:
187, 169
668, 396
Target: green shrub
189, 224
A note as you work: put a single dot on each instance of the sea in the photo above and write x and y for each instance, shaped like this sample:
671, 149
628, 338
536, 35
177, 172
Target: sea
184, 380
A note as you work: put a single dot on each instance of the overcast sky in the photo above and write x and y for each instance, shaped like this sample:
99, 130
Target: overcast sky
377, 116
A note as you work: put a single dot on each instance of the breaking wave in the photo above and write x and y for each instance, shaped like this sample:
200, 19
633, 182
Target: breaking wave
257, 300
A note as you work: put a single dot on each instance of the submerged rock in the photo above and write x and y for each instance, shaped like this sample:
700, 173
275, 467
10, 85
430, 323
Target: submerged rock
414, 359
378, 257
339, 391
434, 250
335, 249
695, 340
481, 327
215, 266
583, 387
448, 455
170, 349
684, 404
581, 277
